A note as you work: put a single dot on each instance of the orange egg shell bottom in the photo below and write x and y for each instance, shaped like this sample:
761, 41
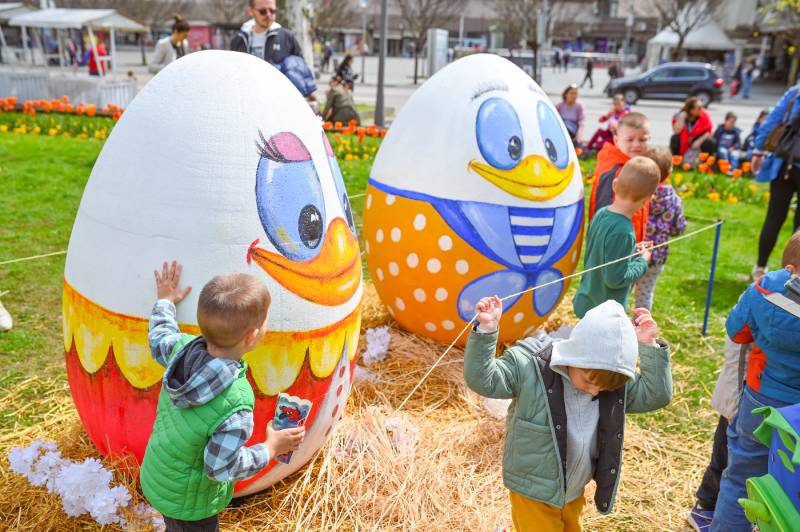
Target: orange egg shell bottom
119, 417
419, 266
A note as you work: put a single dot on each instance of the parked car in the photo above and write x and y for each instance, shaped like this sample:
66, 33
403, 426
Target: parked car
671, 81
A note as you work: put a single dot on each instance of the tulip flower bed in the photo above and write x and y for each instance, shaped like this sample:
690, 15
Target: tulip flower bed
57, 118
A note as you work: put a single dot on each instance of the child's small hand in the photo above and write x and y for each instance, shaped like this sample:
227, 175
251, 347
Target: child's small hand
285, 440
168, 283
489, 310
645, 249
646, 327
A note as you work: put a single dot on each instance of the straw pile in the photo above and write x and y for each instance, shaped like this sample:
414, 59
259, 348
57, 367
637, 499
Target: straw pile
436, 465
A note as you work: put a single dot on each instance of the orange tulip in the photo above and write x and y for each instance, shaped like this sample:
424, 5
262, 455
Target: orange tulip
117, 115
65, 99
91, 109
746, 166
737, 173
703, 168
578, 151
703, 156
676, 159
687, 167
11, 100
69, 108
337, 125
711, 160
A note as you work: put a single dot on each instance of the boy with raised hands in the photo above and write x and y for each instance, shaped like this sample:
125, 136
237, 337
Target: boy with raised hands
566, 420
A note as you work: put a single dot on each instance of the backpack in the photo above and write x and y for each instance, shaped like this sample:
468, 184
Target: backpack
776, 135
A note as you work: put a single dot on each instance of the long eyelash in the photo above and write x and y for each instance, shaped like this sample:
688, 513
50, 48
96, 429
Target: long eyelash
268, 149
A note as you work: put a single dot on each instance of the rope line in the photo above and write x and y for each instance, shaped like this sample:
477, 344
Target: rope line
23, 259
531, 289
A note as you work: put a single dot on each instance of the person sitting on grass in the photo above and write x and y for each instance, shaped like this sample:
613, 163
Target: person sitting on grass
205, 408
603, 135
566, 421
750, 140
611, 237
339, 104
666, 220
773, 379
728, 139
630, 140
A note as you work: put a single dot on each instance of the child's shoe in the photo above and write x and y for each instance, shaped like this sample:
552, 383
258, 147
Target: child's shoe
700, 518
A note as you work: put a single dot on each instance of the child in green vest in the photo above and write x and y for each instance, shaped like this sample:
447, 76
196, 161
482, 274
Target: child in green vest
566, 420
611, 237
205, 408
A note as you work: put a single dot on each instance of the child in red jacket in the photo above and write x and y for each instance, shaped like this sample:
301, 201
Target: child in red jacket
630, 140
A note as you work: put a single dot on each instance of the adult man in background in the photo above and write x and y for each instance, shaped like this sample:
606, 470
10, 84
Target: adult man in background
265, 39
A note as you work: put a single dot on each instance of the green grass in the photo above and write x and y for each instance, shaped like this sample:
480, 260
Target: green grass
42, 182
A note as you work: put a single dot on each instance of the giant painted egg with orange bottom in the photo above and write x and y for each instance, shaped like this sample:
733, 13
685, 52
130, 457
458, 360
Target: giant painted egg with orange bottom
220, 164
475, 191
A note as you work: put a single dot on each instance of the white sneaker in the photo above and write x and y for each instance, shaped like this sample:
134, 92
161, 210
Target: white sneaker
5, 319
757, 272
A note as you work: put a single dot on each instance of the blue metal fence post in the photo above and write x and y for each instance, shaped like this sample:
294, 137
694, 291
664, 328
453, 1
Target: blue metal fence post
711, 276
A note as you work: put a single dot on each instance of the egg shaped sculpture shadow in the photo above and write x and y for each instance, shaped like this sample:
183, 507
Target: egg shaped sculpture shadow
475, 191
220, 164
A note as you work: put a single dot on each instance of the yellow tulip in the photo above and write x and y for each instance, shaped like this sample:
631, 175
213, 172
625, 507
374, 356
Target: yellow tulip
732, 200
713, 196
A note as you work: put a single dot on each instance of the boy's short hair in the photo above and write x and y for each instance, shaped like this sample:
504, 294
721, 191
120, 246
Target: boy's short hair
791, 253
663, 158
729, 115
230, 305
605, 379
638, 179
634, 121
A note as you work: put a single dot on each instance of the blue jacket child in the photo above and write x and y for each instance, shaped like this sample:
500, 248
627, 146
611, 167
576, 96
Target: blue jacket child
773, 379
772, 164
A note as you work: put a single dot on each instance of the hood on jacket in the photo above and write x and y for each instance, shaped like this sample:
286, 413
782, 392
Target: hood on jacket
603, 339
608, 157
194, 377
782, 328
247, 25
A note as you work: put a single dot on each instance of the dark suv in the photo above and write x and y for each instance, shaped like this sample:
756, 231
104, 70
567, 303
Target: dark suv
671, 81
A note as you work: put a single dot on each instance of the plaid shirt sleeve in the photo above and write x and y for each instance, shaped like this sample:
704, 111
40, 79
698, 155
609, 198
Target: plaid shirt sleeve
226, 458
164, 331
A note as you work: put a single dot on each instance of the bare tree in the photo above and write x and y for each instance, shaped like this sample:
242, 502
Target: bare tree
422, 15
330, 15
683, 16
228, 11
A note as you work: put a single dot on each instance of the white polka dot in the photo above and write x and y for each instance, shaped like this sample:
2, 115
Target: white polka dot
419, 222
394, 269
441, 294
445, 243
366, 245
390, 310
448, 325
518, 317
462, 266
390, 199
412, 260
379, 274
369, 201
395, 234
419, 295
430, 326
400, 304
379, 235
434, 265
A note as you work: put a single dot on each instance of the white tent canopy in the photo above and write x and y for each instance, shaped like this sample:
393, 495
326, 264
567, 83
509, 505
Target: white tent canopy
709, 36
99, 19
8, 10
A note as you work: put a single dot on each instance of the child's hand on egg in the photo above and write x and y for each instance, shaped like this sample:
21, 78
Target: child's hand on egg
489, 310
168, 283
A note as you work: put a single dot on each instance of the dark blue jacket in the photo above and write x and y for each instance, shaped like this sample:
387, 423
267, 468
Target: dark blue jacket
775, 332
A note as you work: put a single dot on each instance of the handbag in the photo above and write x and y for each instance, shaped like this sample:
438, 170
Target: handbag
775, 135
788, 147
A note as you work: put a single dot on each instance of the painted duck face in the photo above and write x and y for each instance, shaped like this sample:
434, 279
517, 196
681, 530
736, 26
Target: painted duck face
487, 198
178, 179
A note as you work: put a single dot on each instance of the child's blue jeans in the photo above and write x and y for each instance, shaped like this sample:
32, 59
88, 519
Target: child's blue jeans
731, 155
747, 458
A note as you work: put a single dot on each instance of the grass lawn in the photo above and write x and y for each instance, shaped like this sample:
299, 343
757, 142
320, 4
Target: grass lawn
42, 182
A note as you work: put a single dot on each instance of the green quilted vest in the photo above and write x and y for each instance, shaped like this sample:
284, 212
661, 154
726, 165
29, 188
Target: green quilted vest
172, 474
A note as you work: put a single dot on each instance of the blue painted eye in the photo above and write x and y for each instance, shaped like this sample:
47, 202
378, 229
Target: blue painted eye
499, 134
341, 191
556, 144
289, 197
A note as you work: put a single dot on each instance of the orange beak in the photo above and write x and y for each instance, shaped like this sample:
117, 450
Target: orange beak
330, 278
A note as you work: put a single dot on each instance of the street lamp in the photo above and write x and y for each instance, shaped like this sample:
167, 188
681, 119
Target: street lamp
379, 103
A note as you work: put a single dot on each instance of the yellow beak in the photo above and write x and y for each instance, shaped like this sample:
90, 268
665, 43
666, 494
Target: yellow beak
330, 278
534, 178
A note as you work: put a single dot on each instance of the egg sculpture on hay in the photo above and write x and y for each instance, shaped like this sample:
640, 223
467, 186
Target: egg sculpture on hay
220, 164
475, 191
